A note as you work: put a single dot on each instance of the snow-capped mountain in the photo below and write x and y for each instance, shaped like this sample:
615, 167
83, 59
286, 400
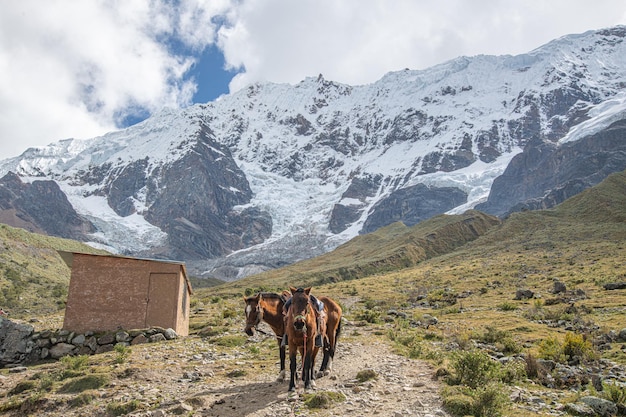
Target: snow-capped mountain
276, 173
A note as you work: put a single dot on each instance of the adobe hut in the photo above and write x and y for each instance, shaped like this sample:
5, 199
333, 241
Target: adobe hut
108, 292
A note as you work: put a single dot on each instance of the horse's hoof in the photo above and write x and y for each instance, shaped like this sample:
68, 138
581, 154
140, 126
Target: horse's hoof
281, 377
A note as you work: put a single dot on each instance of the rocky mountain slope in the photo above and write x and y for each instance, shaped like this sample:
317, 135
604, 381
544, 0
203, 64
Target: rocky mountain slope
276, 173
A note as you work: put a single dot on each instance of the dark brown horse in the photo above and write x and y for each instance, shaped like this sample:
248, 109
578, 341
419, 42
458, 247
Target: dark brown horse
301, 328
332, 317
269, 308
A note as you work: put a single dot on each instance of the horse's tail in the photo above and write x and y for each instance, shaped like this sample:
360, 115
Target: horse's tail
338, 331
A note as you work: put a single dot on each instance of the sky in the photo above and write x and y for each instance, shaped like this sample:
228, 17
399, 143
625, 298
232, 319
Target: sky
80, 69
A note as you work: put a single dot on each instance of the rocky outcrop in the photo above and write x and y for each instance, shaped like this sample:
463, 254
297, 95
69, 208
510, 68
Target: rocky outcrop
413, 204
353, 202
545, 174
40, 207
195, 200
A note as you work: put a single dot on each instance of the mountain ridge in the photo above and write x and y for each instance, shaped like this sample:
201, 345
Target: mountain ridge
289, 172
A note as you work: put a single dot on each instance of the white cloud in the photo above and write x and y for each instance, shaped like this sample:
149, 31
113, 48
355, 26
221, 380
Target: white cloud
358, 41
74, 68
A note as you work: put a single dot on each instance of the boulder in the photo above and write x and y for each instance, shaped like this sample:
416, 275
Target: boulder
61, 349
602, 407
15, 341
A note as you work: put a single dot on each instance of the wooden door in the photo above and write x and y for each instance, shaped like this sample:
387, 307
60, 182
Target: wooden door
162, 300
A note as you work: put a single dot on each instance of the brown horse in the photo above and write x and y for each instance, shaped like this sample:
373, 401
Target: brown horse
332, 316
269, 308
301, 328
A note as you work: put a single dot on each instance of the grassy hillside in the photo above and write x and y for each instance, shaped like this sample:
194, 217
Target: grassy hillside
33, 277
581, 243
388, 249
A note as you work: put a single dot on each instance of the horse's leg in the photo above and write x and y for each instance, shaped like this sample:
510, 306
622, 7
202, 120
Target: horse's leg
332, 347
312, 370
281, 350
292, 367
329, 343
326, 359
307, 369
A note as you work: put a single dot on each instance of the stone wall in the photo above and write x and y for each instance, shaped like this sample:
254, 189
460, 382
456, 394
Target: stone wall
21, 344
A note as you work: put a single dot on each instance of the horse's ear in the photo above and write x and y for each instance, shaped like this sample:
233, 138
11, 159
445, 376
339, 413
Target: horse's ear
293, 289
307, 290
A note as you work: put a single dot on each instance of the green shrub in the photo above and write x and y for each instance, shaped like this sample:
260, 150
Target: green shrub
84, 383
75, 363
486, 401
237, 373
366, 375
231, 341
489, 401
457, 402
576, 346
473, 368
46, 383
533, 368
122, 352
513, 371
615, 393
21, 387
323, 399
369, 316
81, 399
551, 349
117, 408
507, 306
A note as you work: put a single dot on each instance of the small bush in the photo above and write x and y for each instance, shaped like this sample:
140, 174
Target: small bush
486, 401
81, 399
576, 346
117, 408
513, 371
614, 393
122, 353
473, 368
369, 316
533, 369
237, 373
231, 341
75, 363
366, 375
46, 383
507, 306
323, 399
21, 387
14, 404
84, 383
551, 349
489, 401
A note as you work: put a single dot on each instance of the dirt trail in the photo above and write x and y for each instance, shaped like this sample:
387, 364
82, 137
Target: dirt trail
403, 387
190, 377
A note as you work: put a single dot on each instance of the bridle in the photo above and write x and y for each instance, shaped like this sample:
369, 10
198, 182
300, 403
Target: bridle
259, 318
302, 318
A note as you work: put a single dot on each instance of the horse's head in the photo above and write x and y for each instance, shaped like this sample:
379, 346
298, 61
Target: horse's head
254, 313
301, 308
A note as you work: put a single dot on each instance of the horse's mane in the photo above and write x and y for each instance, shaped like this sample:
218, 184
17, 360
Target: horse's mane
273, 295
